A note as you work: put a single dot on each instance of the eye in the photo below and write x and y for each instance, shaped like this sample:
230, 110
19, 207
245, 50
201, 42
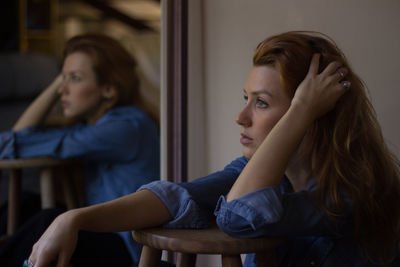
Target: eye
246, 98
261, 103
75, 78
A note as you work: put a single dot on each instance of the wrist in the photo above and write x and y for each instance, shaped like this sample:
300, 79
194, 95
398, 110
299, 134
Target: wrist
54, 86
302, 113
72, 218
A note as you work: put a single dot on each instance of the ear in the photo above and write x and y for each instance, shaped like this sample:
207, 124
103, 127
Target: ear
109, 93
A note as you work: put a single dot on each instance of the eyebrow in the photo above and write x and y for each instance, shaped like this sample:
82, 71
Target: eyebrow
258, 92
74, 72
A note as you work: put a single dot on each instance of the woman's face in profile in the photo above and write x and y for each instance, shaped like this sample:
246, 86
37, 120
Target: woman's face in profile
81, 96
265, 104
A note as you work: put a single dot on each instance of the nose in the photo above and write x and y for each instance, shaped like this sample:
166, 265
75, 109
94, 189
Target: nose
63, 87
243, 118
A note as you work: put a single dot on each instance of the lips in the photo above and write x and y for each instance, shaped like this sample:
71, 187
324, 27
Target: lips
244, 140
64, 103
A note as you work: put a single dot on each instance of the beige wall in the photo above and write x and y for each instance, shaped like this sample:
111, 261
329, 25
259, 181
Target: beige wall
366, 30
224, 34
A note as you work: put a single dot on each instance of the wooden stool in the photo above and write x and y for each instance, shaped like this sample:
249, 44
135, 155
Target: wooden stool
189, 242
47, 192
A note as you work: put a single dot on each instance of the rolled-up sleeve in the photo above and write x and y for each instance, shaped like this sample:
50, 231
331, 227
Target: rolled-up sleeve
192, 204
271, 211
184, 210
244, 217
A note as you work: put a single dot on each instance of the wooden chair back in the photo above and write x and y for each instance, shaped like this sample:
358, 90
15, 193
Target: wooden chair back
47, 185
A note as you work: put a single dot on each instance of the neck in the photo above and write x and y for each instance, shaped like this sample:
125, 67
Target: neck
96, 114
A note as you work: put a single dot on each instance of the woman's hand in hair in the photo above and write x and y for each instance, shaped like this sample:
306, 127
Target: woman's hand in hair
319, 92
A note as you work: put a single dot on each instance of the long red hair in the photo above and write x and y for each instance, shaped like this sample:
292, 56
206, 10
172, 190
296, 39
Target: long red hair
346, 148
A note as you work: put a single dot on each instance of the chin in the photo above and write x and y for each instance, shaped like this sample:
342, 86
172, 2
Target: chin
247, 153
70, 115
67, 114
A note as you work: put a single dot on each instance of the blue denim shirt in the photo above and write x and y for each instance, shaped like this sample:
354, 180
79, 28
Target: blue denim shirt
311, 240
120, 153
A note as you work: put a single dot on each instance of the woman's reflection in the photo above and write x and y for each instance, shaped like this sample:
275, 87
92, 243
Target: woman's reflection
115, 138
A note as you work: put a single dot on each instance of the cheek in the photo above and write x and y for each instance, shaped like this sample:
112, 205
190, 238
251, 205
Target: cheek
89, 91
88, 94
270, 122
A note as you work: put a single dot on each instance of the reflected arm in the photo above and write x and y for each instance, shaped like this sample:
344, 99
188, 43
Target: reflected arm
40, 107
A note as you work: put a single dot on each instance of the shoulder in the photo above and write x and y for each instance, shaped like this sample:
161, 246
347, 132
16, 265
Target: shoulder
126, 123
127, 113
124, 112
128, 116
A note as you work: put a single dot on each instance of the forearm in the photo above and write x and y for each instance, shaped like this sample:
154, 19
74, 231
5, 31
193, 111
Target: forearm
268, 164
39, 108
135, 211
138, 210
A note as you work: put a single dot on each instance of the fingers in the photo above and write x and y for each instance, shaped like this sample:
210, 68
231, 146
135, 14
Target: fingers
63, 260
314, 65
339, 76
40, 262
32, 257
335, 73
37, 258
334, 69
346, 84
28, 263
341, 73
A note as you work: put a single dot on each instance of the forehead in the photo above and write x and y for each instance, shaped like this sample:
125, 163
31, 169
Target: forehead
264, 79
77, 61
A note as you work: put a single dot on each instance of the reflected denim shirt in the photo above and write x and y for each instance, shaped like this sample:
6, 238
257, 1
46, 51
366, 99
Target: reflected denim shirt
120, 153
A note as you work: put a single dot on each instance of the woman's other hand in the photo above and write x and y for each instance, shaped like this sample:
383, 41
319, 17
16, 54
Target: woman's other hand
318, 93
57, 244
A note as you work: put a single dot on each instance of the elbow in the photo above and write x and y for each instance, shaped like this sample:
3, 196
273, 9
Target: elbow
243, 220
236, 220
236, 226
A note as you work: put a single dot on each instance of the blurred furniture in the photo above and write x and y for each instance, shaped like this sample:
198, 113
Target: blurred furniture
23, 77
38, 21
189, 242
47, 168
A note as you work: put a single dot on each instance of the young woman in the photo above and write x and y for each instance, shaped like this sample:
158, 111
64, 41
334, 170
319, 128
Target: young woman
315, 170
114, 136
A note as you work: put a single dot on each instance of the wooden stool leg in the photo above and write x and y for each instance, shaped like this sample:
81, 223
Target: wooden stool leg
14, 201
47, 188
67, 184
186, 260
77, 179
150, 257
231, 261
